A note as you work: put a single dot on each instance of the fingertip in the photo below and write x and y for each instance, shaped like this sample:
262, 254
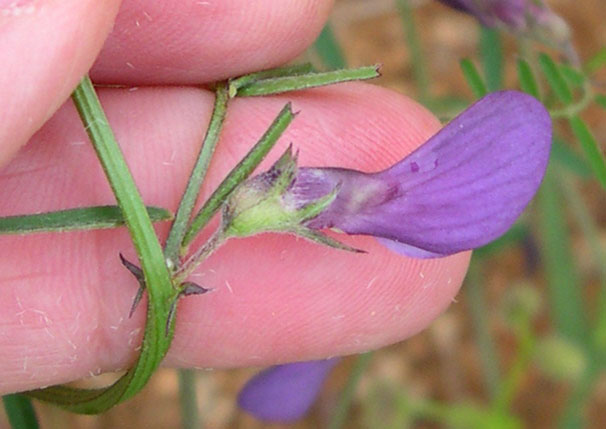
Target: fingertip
205, 41
45, 49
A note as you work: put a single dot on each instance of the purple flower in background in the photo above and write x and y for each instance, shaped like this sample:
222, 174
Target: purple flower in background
530, 18
284, 393
461, 189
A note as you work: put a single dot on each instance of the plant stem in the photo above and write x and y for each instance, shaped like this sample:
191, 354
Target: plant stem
239, 173
157, 277
416, 53
199, 256
488, 354
20, 412
186, 206
190, 417
513, 379
344, 404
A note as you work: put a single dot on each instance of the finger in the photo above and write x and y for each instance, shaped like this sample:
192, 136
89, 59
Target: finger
66, 298
201, 41
45, 48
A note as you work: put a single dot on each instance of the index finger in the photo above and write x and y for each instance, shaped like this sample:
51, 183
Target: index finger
190, 42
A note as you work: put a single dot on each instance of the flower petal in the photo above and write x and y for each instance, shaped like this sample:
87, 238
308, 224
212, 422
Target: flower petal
284, 393
460, 190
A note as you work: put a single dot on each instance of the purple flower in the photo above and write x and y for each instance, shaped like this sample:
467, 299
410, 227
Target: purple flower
530, 18
461, 189
285, 393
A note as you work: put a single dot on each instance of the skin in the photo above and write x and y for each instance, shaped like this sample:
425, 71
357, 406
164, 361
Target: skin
65, 297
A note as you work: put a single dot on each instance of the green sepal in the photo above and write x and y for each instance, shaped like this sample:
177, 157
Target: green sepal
318, 237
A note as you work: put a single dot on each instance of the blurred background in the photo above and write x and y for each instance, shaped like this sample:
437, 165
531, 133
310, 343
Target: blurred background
523, 344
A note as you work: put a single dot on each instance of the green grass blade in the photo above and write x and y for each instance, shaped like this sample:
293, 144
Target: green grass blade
192, 190
328, 49
239, 173
98, 217
564, 288
20, 412
528, 82
159, 285
491, 51
473, 78
555, 79
310, 80
590, 147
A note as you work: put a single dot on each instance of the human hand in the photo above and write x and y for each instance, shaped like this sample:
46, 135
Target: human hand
65, 297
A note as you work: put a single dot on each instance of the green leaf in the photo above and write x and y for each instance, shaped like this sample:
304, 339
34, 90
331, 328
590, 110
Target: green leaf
328, 49
286, 71
601, 100
572, 75
157, 277
20, 412
473, 78
528, 82
98, 217
311, 80
492, 57
555, 79
596, 62
239, 173
590, 147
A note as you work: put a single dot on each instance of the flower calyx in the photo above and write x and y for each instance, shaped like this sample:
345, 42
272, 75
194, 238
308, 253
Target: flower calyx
265, 203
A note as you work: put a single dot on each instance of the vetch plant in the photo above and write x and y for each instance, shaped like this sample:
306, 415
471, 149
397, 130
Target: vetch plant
461, 189
527, 18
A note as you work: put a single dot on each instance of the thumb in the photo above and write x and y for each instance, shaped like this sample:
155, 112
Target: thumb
46, 47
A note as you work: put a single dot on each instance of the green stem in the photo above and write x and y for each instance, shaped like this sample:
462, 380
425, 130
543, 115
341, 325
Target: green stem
565, 294
342, 409
20, 412
311, 80
239, 173
574, 109
157, 277
488, 354
419, 68
572, 417
199, 256
190, 418
97, 217
513, 380
592, 234
177, 232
